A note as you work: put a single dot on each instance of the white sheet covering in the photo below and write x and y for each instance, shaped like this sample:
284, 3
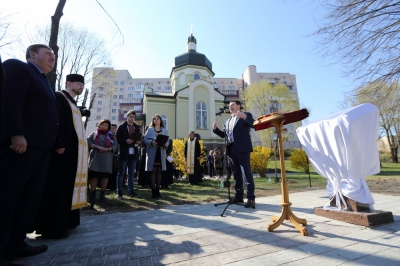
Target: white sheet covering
343, 148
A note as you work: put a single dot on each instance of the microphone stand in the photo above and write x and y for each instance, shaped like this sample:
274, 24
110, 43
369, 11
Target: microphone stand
228, 171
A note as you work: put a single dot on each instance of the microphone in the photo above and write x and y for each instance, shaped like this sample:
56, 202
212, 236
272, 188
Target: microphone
225, 111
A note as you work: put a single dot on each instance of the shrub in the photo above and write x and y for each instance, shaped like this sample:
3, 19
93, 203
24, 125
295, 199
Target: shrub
299, 161
259, 160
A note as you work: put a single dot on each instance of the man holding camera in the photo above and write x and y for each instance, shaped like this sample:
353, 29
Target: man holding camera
65, 190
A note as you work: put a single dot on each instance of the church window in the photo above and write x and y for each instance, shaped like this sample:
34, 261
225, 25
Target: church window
196, 76
165, 121
201, 115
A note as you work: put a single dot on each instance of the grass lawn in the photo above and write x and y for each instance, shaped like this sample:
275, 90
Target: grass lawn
209, 192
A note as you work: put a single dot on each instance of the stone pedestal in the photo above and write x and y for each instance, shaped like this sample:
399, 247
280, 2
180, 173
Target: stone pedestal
364, 218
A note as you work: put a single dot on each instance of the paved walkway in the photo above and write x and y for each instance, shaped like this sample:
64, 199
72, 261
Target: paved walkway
197, 235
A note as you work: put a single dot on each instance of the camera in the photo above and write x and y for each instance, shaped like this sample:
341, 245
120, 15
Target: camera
84, 111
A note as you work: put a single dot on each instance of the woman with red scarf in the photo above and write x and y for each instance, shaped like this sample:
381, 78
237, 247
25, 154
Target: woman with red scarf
103, 145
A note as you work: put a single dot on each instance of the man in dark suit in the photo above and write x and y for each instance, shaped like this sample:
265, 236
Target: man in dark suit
30, 124
239, 147
128, 153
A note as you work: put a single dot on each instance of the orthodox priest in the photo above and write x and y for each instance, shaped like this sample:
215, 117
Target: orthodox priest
192, 157
65, 191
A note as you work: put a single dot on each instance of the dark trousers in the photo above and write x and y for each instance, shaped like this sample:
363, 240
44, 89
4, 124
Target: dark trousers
211, 169
238, 160
22, 181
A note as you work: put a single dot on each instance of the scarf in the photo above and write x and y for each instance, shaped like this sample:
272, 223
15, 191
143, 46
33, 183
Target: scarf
109, 137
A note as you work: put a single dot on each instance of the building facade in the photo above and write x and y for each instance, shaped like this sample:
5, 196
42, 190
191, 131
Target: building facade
187, 100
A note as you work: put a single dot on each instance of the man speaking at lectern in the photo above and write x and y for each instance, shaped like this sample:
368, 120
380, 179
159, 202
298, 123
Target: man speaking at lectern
239, 147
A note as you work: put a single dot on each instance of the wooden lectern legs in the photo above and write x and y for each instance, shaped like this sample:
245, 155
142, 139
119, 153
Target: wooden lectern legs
286, 213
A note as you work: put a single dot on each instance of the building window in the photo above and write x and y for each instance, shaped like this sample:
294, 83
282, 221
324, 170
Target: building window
291, 88
97, 124
113, 118
272, 81
196, 76
130, 95
165, 121
168, 88
159, 88
137, 100
121, 96
137, 108
115, 82
201, 115
284, 82
121, 83
98, 109
139, 86
101, 89
222, 88
130, 88
100, 95
121, 89
114, 103
114, 96
114, 111
99, 102
231, 87
138, 92
98, 117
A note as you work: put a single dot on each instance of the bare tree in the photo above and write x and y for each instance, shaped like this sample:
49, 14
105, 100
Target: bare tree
55, 25
6, 35
79, 51
262, 98
364, 35
387, 99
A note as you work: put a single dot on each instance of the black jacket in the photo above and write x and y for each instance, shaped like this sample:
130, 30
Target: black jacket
122, 136
29, 105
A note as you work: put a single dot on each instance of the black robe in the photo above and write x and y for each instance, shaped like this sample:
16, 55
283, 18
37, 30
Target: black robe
55, 214
196, 177
167, 177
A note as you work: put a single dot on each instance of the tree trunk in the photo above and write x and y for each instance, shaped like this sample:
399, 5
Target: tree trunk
55, 25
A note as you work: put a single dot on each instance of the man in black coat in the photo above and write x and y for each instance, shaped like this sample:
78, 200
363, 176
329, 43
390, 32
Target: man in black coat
128, 153
239, 147
55, 216
30, 123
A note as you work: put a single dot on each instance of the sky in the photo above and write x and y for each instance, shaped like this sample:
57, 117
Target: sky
275, 36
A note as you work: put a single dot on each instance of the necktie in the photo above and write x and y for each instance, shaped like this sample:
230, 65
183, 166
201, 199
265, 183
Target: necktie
231, 126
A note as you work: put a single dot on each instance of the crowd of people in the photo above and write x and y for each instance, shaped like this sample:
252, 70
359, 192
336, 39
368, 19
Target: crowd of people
46, 159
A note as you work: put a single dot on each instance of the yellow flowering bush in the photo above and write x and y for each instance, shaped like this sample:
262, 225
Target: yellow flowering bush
259, 160
178, 153
299, 161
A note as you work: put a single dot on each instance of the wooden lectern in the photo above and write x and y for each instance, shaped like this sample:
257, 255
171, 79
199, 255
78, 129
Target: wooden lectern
278, 120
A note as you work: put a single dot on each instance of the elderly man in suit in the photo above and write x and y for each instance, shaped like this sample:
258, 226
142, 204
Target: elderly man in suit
239, 147
30, 125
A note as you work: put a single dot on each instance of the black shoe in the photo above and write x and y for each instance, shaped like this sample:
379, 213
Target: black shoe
133, 194
237, 200
27, 252
250, 204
